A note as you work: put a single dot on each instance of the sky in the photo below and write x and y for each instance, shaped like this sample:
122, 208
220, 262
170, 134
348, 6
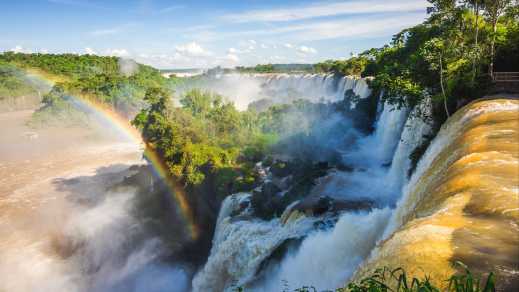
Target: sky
203, 34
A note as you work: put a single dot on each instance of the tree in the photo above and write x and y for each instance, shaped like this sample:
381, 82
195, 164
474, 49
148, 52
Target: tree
476, 4
54, 96
494, 9
433, 51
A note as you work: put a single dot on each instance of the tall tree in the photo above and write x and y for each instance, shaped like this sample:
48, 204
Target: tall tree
476, 5
494, 9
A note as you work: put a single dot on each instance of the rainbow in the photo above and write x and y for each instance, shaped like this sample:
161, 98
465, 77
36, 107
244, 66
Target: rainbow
106, 115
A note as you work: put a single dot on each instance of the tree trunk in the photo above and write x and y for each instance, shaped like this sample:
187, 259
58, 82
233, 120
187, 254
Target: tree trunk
443, 88
475, 43
492, 47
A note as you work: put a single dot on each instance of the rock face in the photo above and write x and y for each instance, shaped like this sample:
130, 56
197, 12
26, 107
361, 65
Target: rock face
462, 203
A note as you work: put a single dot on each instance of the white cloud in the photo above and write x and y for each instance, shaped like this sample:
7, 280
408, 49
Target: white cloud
233, 58
287, 45
90, 51
372, 26
232, 51
352, 28
20, 49
306, 50
117, 52
192, 49
253, 42
328, 9
264, 46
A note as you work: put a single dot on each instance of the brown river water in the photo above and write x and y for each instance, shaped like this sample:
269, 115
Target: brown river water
46, 176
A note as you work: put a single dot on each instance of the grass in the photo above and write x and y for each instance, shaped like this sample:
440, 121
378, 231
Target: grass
387, 280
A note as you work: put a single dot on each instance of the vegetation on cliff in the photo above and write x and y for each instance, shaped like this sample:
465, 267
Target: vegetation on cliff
449, 57
13, 82
116, 82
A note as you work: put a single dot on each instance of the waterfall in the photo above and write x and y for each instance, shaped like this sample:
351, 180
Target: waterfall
461, 202
243, 89
326, 258
417, 126
378, 149
240, 246
415, 189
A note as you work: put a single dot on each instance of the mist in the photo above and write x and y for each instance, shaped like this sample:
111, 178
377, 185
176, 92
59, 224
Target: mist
63, 225
127, 67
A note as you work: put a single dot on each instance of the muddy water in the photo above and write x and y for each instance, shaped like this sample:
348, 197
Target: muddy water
462, 204
50, 181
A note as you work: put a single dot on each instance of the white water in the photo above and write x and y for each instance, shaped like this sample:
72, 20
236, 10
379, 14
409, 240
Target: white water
239, 247
242, 89
325, 259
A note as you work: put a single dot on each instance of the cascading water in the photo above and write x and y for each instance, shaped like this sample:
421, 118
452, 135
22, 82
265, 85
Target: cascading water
326, 258
243, 89
460, 204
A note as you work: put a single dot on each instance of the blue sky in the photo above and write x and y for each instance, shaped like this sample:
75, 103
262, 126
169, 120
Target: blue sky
188, 34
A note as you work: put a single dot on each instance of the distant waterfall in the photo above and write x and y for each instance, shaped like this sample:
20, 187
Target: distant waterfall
242, 89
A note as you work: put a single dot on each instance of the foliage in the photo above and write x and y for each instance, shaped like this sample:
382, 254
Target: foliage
104, 79
385, 279
206, 140
447, 57
58, 110
13, 82
276, 68
353, 66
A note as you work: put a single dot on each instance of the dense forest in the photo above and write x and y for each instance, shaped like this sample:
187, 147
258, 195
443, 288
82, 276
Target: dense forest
116, 82
450, 57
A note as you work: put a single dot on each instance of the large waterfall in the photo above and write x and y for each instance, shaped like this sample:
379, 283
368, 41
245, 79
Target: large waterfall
325, 256
244, 89
461, 203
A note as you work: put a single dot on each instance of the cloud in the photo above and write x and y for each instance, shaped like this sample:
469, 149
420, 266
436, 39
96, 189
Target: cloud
351, 28
192, 49
20, 49
127, 67
327, 9
306, 50
117, 52
264, 46
289, 46
232, 51
90, 51
365, 27
233, 58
